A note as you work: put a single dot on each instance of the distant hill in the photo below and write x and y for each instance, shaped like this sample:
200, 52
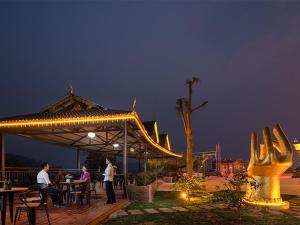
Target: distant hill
13, 160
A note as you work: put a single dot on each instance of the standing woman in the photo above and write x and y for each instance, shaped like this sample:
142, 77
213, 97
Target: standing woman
108, 180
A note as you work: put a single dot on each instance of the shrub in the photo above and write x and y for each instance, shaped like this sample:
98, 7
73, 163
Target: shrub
190, 185
164, 167
233, 194
155, 165
145, 178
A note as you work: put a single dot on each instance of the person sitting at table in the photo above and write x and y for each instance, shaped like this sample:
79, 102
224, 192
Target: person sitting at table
108, 180
60, 176
44, 181
86, 176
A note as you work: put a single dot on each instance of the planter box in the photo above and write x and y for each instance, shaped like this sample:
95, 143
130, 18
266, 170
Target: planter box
142, 193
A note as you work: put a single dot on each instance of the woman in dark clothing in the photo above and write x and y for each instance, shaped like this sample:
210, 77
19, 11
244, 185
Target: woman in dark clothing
108, 180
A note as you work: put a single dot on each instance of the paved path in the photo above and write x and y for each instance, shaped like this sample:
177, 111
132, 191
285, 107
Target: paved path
294, 209
289, 186
165, 210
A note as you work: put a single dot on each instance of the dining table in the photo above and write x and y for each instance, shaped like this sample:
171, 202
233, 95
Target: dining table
68, 185
4, 194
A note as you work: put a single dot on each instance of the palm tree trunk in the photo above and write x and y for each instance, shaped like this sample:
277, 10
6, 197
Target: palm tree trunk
189, 134
189, 158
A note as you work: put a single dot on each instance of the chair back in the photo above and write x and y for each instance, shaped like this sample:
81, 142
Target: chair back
36, 187
83, 187
92, 186
42, 192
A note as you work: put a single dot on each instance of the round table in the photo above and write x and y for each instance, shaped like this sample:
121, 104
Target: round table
3, 197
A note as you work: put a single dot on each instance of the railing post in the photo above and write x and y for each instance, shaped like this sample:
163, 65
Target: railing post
125, 160
78, 159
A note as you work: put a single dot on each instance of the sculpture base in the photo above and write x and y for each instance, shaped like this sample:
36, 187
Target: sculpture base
277, 205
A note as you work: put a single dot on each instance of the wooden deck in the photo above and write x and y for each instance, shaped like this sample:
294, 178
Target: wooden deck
77, 215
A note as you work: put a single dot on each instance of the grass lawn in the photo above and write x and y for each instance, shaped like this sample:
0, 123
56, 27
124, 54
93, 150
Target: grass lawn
162, 200
217, 215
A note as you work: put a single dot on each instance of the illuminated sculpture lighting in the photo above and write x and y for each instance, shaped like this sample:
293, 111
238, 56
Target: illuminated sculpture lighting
297, 146
266, 168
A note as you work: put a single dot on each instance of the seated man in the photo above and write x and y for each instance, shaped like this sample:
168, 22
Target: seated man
43, 180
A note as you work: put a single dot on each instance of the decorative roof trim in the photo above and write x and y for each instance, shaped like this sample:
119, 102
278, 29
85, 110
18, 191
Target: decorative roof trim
52, 108
156, 132
150, 140
132, 116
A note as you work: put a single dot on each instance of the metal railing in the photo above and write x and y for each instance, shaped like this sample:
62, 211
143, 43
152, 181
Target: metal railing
27, 175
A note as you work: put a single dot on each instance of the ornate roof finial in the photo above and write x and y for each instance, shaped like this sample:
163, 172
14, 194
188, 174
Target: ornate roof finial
134, 104
70, 90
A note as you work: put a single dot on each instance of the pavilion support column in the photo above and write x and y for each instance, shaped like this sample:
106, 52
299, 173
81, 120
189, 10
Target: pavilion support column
2, 155
78, 159
125, 163
115, 159
146, 159
139, 164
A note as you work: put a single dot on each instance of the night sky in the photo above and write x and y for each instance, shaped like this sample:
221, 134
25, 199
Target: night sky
246, 55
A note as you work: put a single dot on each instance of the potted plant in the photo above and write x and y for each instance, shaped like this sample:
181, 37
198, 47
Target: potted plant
144, 188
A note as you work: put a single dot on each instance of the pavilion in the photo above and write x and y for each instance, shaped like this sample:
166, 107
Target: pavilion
85, 126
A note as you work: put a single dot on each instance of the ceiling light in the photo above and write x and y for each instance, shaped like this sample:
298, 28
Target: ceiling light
116, 145
91, 135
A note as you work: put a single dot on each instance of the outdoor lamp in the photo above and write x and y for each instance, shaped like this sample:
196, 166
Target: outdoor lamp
131, 149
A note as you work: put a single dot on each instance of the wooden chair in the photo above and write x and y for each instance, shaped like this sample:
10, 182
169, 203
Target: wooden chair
83, 191
30, 207
34, 194
93, 188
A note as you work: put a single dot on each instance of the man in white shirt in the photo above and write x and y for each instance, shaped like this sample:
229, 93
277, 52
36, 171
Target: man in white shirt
44, 181
43, 177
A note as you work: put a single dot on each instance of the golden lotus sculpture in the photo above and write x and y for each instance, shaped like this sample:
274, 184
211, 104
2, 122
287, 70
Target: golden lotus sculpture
266, 167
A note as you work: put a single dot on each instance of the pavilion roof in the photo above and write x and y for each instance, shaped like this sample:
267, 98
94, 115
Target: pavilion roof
68, 120
68, 107
164, 141
152, 129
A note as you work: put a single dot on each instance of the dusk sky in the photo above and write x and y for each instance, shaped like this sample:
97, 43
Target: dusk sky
247, 56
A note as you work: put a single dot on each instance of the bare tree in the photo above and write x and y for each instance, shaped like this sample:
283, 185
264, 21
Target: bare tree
185, 110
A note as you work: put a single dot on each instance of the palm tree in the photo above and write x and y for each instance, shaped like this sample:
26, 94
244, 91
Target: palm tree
185, 110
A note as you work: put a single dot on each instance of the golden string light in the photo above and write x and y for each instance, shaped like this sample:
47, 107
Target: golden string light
87, 120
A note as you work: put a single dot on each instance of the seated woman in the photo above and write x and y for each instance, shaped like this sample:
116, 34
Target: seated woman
86, 176
59, 176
